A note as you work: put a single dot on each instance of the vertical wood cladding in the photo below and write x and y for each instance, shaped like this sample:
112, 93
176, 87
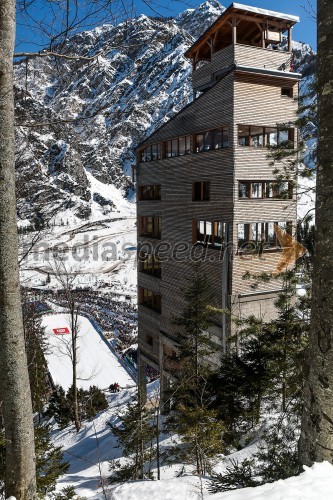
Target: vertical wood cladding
238, 98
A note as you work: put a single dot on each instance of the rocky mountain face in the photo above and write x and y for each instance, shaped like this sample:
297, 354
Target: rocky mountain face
92, 114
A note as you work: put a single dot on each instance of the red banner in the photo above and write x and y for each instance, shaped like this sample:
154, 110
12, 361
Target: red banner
61, 331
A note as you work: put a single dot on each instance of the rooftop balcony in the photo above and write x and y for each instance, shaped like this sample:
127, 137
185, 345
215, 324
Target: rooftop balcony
242, 56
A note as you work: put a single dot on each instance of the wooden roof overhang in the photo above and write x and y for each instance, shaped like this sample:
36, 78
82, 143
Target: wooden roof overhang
250, 23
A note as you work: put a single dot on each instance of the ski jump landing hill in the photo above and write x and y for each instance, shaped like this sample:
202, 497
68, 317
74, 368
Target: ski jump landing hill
97, 365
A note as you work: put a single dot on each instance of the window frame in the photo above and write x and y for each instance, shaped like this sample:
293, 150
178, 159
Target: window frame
289, 143
154, 188
204, 187
155, 270
156, 302
210, 141
256, 245
217, 233
156, 226
147, 154
288, 188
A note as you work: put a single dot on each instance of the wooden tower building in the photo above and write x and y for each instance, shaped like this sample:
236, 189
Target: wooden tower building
206, 187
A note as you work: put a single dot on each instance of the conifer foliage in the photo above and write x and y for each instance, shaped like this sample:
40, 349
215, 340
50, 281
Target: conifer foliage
90, 402
136, 431
192, 416
36, 347
50, 464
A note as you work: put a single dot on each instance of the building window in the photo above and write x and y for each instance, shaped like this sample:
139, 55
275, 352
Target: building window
243, 135
153, 152
254, 136
150, 264
260, 236
256, 190
149, 340
244, 189
210, 234
152, 192
178, 147
265, 189
150, 299
282, 190
200, 191
287, 92
150, 226
212, 139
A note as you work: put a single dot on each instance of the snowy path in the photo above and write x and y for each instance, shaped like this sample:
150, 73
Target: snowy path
97, 365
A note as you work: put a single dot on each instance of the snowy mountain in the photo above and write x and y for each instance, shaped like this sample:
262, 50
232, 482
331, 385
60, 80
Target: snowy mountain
140, 80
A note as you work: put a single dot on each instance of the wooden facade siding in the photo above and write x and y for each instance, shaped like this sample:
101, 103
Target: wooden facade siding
202, 75
257, 57
271, 110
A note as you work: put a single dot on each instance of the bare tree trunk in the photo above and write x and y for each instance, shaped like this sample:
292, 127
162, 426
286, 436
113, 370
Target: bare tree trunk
20, 479
316, 443
74, 321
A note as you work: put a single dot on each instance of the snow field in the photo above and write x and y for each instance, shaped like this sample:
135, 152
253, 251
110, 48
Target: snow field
97, 365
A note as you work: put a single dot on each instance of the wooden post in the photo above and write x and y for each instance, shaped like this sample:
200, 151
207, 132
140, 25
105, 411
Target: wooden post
234, 31
263, 40
289, 39
211, 43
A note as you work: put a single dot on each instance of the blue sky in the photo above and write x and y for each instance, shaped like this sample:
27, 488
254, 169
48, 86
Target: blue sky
305, 31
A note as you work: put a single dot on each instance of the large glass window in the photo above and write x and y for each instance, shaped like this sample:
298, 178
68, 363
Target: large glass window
150, 226
211, 234
150, 264
200, 191
212, 139
256, 189
271, 136
243, 135
260, 236
255, 136
178, 147
152, 192
150, 299
150, 153
243, 190
265, 189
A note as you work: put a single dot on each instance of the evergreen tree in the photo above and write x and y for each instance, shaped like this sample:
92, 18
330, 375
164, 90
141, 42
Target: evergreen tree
50, 464
237, 475
192, 416
267, 369
59, 407
135, 434
35, 345
90, 402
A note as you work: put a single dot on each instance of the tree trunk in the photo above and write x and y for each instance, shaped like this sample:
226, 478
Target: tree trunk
74, 321
316, 442
20, 477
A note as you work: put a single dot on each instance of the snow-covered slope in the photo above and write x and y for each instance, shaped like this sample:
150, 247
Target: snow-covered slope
97, 365
89, 466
